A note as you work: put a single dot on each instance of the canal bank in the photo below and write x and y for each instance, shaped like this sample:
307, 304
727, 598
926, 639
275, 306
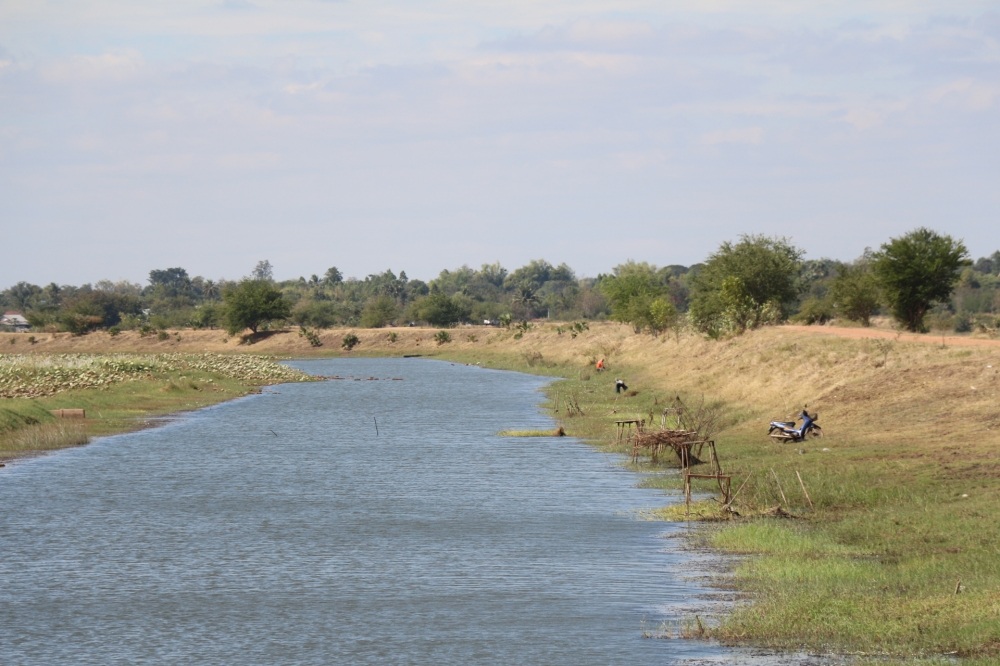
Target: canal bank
890, 559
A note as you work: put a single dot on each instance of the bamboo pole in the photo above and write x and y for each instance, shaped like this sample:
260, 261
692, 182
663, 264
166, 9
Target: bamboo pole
808, 499
783, 499
733, 498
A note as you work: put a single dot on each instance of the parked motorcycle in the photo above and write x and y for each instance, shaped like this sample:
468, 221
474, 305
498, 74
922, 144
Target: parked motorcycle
786, 431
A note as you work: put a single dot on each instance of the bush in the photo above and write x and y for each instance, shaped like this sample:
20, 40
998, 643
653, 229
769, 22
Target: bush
815, 311
311, 336
442, 337
350, 341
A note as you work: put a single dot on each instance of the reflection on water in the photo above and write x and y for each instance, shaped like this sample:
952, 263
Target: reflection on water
376, 519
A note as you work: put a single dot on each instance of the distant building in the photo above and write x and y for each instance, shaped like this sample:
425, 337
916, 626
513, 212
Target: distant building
14, 321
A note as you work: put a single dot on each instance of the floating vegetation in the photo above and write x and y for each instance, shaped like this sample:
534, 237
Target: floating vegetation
558, 432
36, 376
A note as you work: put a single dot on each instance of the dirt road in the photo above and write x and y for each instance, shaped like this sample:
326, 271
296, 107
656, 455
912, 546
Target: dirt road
926, 338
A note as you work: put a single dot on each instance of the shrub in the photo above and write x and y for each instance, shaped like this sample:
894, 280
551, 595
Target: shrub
311, 336
521, 328
114, 331
392, 336
442, 337
815, 311
162, 335
350, 341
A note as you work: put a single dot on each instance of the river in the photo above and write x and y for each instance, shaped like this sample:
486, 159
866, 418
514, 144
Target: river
377, 518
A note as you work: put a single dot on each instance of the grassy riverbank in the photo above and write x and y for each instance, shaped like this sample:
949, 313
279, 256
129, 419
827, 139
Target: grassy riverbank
887, 546
99, 394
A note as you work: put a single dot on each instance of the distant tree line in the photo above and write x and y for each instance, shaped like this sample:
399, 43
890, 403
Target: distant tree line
922, 279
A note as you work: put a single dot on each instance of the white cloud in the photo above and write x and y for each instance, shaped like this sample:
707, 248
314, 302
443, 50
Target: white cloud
112, 67
966, 94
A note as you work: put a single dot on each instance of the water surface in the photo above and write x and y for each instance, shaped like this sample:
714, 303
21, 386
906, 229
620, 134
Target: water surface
372, 519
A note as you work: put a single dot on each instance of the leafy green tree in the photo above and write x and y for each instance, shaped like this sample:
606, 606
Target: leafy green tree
251, 303
438, 309
379, 311
917, 270
91, 308
534, 284
21, 294
663, 316
205, 316
632, 290
333, 276
855, 291
320, 313
170, 282
745, 285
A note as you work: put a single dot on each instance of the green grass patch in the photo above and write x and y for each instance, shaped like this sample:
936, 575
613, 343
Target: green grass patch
118, 392
558, 432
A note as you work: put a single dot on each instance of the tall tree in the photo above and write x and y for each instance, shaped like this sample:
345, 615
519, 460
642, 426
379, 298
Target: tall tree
745, 285
917, 270
263, 271
333, 276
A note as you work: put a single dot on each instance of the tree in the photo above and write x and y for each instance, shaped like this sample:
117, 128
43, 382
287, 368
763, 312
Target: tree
21, 294
333, 276
745, 285
170, 282
438, 309
263, 271
379, 311
855, 291
251, 303
638, 296
917, 270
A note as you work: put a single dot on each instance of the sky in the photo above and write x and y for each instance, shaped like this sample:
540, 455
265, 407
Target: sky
428, 135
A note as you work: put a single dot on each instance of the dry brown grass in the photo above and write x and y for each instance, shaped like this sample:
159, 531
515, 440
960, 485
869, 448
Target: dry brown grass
878, 393
869, 381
